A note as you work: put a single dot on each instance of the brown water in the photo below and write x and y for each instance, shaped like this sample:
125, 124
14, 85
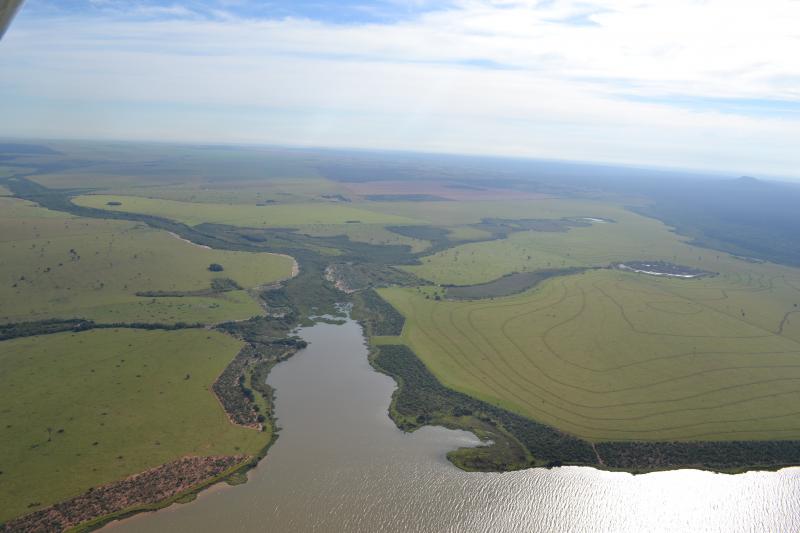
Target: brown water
340, 464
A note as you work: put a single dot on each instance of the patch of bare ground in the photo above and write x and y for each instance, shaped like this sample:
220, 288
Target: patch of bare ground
146, 488
333, 275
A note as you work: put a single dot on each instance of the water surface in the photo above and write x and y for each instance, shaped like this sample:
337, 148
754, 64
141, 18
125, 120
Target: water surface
341, 464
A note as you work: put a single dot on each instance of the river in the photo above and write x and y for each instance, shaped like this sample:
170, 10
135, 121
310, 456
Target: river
340, 464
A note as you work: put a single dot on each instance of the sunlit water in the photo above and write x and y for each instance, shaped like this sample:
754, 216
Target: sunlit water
340, 464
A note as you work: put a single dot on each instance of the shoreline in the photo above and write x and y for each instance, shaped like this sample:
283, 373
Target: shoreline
295, 265
188, 241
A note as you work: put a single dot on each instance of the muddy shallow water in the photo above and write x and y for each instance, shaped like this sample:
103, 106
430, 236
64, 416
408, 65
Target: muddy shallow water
341, 464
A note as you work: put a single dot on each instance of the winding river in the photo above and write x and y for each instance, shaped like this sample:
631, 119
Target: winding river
341, 464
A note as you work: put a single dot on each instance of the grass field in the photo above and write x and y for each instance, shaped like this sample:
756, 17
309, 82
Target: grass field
84, 409
631, 237
54, 265
271, 215
473, 211
474, 263
608, 355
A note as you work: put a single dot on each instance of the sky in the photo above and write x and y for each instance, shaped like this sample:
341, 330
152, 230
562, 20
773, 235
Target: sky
696, 84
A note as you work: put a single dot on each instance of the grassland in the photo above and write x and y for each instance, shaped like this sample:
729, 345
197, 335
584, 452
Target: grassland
56, 265
475, 263
613, 356
616, 358
88, 408
608, 355
271, 215
473, 211
630, 237
605, 355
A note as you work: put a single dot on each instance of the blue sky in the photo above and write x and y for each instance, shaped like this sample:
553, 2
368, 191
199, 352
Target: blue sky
339, 12
712, 84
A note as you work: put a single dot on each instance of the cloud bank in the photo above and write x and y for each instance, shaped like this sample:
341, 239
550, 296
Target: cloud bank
695, 84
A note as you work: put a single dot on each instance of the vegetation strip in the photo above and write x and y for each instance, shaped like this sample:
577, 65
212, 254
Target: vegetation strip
140, 490
509, 284
238, 400
46, 327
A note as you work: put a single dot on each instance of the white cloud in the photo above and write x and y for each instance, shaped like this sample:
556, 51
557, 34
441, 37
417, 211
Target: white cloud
537, 86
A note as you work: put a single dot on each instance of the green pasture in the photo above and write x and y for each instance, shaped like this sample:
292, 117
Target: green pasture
608, 355
55, 265
473, 211
271, 215
631, 237
449, 214
474, 263
85, 409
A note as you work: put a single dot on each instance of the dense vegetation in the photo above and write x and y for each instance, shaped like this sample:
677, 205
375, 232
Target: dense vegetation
353, 277
55, 325
376, 316
507, 285
236, 398
146, 490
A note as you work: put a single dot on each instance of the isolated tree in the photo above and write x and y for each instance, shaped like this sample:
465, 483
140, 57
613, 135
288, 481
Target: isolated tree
215, 267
